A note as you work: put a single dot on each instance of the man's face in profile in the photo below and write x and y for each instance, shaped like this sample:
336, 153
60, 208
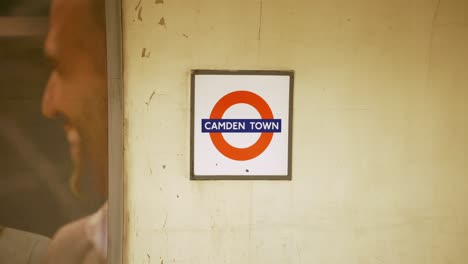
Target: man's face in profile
76, 90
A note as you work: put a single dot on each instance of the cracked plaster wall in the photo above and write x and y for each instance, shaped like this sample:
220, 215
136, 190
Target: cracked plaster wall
380, 170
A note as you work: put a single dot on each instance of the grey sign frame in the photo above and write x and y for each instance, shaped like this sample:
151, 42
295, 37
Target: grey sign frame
196, 72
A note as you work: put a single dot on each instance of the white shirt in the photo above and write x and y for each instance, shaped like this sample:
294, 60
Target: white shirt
96, 230
81, 242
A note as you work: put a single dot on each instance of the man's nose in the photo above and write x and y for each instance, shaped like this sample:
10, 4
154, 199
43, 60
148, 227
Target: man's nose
49, 109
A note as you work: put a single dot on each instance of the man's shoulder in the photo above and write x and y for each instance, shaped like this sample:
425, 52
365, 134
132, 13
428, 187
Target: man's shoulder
18, 246
81, 239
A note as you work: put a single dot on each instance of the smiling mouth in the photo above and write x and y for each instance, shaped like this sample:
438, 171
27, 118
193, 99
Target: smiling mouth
73, 138
74, 141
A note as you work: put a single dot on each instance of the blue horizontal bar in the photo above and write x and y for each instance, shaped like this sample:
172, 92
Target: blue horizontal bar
241, 125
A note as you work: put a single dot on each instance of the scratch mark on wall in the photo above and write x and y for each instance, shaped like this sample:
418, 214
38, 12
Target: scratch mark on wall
138, 5
139, 14
165, 222
151, 171
259, 36
128, 218
299, 255
379, 259
431, 40
145, 54
159, 2
434, 19
185, 35
150, 98
250, 222
149, 257
162, 22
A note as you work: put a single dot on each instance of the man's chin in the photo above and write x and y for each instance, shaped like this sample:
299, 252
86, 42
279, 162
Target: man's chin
85, 184
81, 176
75, 184
85, 180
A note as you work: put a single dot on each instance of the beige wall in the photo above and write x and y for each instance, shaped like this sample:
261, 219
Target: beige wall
380, 132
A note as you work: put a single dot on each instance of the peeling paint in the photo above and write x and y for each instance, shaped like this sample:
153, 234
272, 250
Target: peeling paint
139, 14
138, 5
162, 22
145, 54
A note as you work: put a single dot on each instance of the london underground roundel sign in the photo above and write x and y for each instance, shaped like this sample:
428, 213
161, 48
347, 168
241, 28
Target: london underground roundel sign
241, 124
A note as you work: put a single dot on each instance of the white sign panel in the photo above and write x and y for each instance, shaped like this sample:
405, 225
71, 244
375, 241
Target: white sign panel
241, 122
